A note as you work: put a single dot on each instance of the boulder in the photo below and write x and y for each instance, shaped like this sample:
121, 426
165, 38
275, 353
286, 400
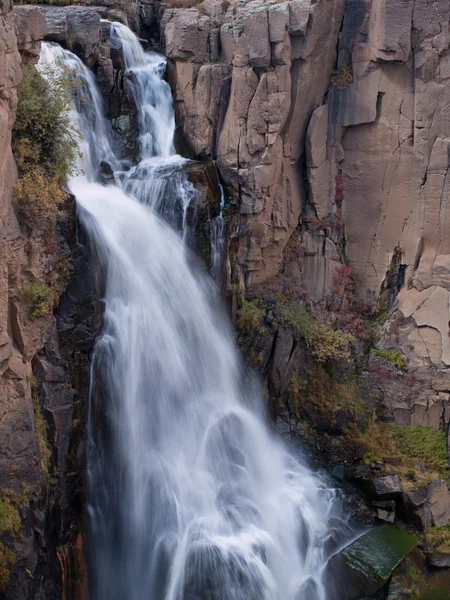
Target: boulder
83, 31
56, 19
78, 28
365, 565
439, 560
429, 506
387, 487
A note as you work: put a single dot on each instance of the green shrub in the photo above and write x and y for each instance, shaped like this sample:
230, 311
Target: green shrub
41, 296
9, 526
325, 392
393, 356
324, 342
250, 316
44, 145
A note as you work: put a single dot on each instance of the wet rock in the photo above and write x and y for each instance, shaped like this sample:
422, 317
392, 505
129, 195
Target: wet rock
106, 172
365, 565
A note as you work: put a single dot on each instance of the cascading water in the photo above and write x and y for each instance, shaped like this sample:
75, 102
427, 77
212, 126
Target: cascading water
191, 496
218, 241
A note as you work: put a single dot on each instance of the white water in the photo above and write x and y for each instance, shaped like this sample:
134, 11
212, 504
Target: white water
217, 229
191, 495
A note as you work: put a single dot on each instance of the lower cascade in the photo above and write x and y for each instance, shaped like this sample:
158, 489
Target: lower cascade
191, 496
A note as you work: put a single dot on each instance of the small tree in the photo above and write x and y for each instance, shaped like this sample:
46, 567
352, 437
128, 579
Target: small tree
44, 145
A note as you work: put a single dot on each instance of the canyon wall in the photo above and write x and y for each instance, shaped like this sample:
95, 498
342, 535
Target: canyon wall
329, 124
44, 362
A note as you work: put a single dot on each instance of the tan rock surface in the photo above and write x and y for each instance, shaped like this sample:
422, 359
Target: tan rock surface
279, 58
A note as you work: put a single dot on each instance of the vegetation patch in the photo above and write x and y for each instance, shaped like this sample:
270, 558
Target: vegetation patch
250, 316
400, 449
41, 297
9, 529
342, 76
438, 538
324, 342
44, 145
326, 393
45, 453
393, 356
438, 589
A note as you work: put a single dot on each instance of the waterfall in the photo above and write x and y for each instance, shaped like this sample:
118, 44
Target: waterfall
218, 240
191, 497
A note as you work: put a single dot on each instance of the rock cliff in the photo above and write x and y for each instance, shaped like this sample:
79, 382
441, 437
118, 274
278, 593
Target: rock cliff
328, 122
40, 411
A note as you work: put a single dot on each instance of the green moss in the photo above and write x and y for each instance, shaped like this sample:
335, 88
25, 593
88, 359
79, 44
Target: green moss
325, 392
424, 443
45, 452
438, 538
400, 448
324, 342
10, 527
393, 356
41, 296
378, 552
250, 316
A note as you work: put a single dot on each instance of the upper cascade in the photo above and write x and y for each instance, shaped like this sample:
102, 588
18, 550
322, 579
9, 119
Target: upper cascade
152, 95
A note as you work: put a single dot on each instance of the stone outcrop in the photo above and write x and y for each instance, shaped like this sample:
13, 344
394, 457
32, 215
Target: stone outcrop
385, 132
247, 77
77, 28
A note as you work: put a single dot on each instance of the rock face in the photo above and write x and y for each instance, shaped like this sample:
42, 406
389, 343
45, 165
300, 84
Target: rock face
327, 120
38, 405
246, 83
430, 506
77, 28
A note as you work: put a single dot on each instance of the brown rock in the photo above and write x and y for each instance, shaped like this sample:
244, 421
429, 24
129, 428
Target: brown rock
30, 30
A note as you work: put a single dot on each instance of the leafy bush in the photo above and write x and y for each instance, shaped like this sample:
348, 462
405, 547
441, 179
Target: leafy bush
324, 342
44, 145
41, 296
250, 316
393, 356
9, 526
